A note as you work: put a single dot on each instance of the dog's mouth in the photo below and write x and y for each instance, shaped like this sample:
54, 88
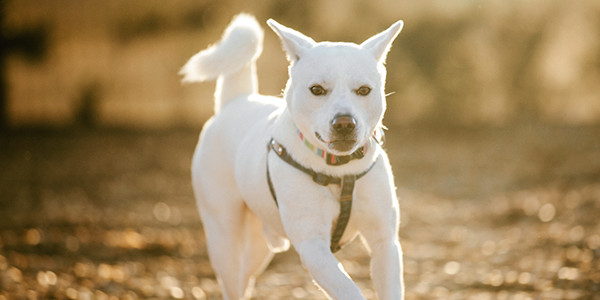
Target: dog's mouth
339, 143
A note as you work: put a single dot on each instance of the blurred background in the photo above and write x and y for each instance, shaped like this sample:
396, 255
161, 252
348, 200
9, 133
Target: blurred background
494, 139
467, 63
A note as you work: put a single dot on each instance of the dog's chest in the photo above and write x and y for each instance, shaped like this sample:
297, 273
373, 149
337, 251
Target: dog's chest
335, 190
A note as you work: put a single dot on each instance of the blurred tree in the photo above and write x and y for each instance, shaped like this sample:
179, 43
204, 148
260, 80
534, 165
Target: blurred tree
31, 42
87, 115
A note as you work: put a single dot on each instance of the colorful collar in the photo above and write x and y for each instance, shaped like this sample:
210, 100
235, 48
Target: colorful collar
332, 159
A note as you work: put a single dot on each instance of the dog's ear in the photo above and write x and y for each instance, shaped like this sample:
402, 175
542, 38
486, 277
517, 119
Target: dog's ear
381, 43
294, 43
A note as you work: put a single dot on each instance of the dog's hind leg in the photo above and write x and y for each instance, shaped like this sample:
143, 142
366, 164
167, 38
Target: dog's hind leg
237, 248
256, 255
225, 245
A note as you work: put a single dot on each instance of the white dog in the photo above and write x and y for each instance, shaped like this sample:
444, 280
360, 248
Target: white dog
308, 170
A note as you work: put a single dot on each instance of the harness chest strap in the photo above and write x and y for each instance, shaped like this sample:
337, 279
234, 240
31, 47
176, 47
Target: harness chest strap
345, 209
347, 183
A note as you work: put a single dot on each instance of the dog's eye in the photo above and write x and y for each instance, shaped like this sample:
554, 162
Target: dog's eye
363, 90
318, 90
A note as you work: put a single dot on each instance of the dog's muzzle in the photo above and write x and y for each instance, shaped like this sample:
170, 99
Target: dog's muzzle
343, 133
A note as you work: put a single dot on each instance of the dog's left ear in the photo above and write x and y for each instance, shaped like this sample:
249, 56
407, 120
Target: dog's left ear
380, 44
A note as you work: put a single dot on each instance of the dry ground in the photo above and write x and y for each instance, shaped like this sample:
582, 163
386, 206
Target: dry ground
487, 214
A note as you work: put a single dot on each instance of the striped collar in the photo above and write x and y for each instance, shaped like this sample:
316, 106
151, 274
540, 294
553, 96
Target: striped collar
332, 159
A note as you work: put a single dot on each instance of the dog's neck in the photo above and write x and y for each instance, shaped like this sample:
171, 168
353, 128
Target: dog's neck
330, 158
286, 133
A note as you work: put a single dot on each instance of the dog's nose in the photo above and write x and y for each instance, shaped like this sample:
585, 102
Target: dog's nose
343, 123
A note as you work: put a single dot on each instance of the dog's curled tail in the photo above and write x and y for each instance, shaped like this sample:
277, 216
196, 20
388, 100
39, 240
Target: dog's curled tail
232, 61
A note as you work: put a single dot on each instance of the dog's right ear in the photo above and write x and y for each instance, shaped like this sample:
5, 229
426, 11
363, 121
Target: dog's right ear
294, 43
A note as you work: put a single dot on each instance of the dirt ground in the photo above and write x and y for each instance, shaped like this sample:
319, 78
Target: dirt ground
486, 214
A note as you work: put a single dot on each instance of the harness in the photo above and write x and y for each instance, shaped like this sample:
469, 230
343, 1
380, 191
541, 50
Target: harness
347, 182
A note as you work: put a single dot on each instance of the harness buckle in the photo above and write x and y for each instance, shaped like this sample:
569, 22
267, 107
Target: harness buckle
277, 147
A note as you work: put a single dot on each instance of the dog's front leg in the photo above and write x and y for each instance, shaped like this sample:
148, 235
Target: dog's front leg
386, 269
326, 270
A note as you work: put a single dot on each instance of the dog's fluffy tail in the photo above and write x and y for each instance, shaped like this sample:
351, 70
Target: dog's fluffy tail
232, 61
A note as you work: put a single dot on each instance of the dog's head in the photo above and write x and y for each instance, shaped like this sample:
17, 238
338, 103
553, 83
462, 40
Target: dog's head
335, 92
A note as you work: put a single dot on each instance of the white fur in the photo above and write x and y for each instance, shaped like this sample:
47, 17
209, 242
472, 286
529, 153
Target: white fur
242, 223
233, 61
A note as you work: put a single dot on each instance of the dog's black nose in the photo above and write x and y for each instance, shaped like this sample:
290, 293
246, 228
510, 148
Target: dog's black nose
343, 123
